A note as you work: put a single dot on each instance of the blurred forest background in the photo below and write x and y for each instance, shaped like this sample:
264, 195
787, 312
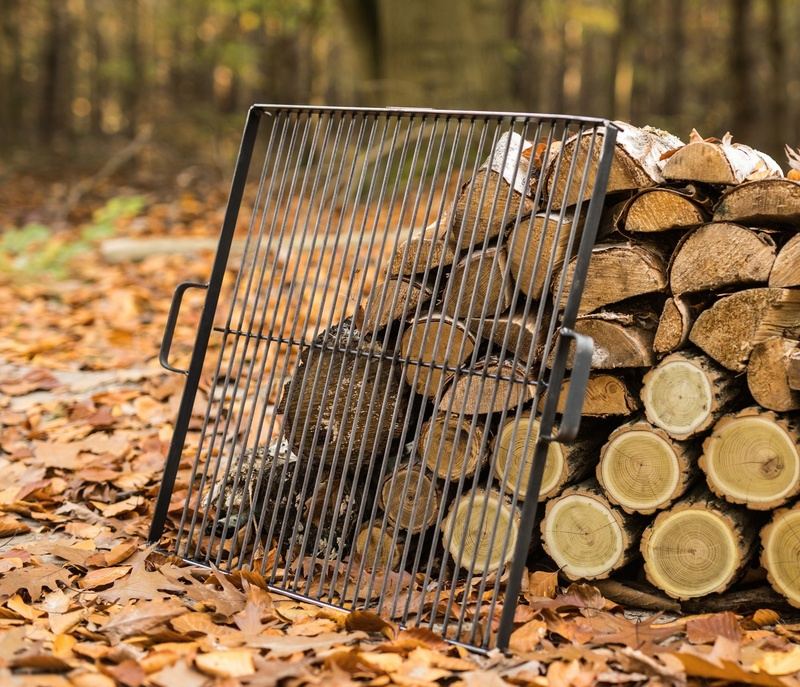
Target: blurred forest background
79, 77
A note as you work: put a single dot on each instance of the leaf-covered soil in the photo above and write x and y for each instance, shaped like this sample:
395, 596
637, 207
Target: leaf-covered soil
85, 421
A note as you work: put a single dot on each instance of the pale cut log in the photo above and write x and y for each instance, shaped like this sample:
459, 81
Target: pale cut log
697, 547
728, 330
547, 236
661, 209
793, 370
767, 202
674, 325
780, 553
617, 272
495, 196
786, 269
431, 341
451, 447
468, 529
753, 458
423, 250
489, 388
482, 284
720, 255
410, 499
635, 163
621, 340
607, 395
391, 300
324, 397
514, 447
374, 546
768, 374
723, 162
522, 338
586, 536
686, 393
642, 469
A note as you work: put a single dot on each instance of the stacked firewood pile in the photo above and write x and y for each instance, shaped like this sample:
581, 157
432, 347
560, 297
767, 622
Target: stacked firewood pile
688, 464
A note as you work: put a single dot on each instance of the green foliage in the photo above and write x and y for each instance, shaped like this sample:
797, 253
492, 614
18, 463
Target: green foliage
34, 251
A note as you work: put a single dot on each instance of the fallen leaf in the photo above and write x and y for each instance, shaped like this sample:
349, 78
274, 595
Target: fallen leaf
543, 585
11, 526
765, 616
706, 629
129, 673
141, 617
33, 579
528, 637
367, 621
286, 646
103, 576
779, 662
229, 663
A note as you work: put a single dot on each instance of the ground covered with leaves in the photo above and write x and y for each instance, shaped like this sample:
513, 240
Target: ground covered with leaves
85, 421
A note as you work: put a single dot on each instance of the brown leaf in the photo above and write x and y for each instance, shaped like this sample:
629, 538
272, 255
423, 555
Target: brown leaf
129, 673
286, 646
141, 617
33, 579
228, 663
367, 621
724, 669
542, 585
705, 629
766, 616
11, 526
103, 576
119, 553
528, 637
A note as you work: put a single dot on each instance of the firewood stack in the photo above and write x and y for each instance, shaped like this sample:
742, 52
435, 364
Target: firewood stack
690, 462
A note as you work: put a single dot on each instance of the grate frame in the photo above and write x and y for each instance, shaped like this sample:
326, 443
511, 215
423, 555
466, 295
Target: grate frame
460, 621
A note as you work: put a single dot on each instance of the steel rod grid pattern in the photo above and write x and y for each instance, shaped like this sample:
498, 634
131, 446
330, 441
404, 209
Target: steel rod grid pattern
306, 428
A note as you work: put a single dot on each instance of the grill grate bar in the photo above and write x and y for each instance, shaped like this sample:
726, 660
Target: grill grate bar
397, 302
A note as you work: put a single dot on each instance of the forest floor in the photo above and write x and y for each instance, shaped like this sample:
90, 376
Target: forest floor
85, 421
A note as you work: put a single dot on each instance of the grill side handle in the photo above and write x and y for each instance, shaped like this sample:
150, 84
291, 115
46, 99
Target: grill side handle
578, 380
172, 320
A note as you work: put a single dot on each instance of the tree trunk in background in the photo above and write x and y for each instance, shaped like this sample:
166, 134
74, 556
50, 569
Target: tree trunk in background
777, 101
98, 87
53, 110
12, 72
622, 62
525, 34
423, 64
676, 44
134, 81
363, 23
740, 66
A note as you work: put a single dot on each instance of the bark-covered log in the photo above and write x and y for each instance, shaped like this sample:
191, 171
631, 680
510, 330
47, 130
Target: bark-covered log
391, 300
766, 202
786, 268
661, 209
721, 255
467, 531
677, 317
479, 286
686, 393
643, 470
768, 374
522, 338
697, 547
753, 458
723, 162
586, 536
423, 250
728, 330
618, 272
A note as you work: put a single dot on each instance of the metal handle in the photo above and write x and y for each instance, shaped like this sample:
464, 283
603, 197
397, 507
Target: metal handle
172, 318
581, 364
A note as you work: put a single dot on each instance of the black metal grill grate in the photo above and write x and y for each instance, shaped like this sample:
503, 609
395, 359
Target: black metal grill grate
382, 318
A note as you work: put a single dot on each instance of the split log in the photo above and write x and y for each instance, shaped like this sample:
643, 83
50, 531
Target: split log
607, 395
635, 163
720, 255
435, 340
753, 458
544, 235
469, 526
768, 374
674, 325
723, 162
643, 470
451, 448
423, 249
374, 546
618, 272
786, 269
321, 404
489, 388
793, 370
697, 547
514, 448
586, 536
729, 329
410, 499
766, 202
394, 299
621, 339
522, 338
780, 552
493, 198
686, 393
661, 209
483, 285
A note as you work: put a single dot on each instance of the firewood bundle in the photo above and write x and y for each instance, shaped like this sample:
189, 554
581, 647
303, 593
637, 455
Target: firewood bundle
690, 459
